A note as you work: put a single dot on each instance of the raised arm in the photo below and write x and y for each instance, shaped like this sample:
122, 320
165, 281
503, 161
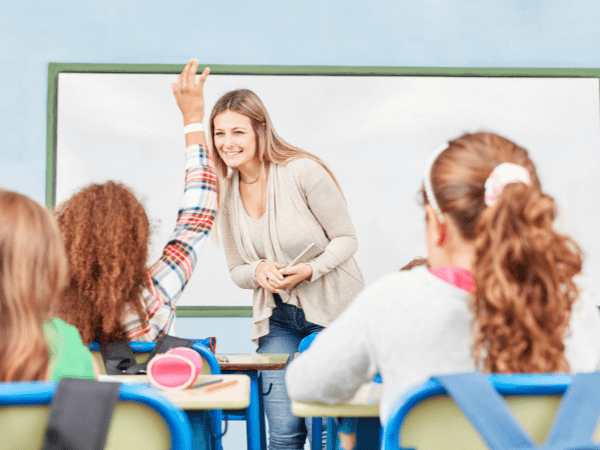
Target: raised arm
169, 275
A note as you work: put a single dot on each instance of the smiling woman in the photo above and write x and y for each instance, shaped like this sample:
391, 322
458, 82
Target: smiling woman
274, 201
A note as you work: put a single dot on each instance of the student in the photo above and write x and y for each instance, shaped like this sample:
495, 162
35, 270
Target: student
33, 274
106, 231
499, 295
274, 201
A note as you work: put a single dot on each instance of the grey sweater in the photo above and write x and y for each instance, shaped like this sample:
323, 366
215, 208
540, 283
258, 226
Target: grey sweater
304, 205
409, 326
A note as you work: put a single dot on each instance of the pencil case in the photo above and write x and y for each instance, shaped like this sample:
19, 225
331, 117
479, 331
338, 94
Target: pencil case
175, 370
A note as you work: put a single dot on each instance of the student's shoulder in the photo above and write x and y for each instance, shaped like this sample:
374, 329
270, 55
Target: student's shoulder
405, 280
397, 288
407, 288
57, 331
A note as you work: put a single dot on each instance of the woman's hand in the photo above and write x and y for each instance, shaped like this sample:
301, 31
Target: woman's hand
269, 276
189, 94
294, 275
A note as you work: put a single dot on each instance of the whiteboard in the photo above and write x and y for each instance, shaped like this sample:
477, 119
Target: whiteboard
374, 132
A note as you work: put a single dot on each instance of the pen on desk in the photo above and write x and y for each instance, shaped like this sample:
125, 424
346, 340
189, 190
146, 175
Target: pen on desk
206, 383
222, 386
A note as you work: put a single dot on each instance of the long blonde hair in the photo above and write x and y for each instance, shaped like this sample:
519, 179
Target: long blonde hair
33, 275
523, 268
271, 147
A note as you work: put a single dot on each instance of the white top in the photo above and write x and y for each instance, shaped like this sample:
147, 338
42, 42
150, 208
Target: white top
304, 206
409, 338
255, 229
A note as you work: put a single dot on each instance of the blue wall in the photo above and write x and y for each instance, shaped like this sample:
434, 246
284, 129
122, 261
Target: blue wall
510, 33
479, 33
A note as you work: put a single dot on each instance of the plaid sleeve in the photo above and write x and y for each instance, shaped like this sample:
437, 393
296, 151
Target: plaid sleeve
169, 275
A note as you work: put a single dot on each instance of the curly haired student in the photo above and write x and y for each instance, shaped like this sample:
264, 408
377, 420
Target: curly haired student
106, 232
498, 296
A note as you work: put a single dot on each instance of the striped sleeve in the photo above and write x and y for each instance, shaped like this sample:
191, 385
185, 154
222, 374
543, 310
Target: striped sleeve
169, 275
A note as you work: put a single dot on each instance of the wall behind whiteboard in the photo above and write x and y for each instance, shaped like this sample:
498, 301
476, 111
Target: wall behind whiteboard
374, 132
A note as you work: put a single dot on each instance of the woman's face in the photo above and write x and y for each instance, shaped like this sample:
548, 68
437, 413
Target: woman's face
235, 140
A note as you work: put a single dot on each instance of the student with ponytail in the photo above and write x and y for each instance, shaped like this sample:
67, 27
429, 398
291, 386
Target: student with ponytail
498, 296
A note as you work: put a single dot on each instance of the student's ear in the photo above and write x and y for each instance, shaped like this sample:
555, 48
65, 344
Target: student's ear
436, 227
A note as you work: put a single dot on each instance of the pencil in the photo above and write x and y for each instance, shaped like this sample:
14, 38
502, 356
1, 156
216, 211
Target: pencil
206, 383
221, 386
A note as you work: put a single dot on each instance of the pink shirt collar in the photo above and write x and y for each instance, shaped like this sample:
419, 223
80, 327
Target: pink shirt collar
456, 276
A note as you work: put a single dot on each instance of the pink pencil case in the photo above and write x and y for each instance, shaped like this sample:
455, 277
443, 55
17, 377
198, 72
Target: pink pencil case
177, 369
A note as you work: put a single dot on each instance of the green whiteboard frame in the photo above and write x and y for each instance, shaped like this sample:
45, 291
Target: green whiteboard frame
55, 69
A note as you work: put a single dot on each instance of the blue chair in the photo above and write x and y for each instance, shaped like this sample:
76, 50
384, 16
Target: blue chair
142, 418
426, 418
210, 365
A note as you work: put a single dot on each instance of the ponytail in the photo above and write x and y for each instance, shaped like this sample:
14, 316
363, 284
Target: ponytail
524, 273
523, 268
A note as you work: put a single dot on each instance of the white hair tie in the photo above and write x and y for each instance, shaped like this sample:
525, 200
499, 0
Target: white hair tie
502, 175
427, 181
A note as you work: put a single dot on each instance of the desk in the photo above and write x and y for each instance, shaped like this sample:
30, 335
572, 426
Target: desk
365, 403
249, 364
195, 400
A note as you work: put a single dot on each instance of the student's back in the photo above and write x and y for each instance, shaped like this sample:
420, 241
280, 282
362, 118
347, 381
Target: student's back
499, 295
33, 275
112, 293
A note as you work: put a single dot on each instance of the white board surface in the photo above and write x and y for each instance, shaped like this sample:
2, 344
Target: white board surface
374, 132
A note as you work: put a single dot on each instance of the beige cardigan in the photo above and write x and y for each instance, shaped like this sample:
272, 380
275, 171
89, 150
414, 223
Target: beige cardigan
304, 205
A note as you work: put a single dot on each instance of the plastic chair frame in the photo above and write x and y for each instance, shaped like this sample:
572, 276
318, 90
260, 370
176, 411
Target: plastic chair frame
41, 393
215, 369
505, 384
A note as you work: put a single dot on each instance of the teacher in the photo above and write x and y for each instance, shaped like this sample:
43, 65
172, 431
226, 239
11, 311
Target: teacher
274, 201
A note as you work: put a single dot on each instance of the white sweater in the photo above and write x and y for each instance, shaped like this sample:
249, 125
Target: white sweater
409, 326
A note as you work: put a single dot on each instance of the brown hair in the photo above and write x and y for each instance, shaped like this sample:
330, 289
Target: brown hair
523, 268
271, 147
418, 261
106, 234
33, 275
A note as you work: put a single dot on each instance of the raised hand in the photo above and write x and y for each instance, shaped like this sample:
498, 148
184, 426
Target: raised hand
189, 95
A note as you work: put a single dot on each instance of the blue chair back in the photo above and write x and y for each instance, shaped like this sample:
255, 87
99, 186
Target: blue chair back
427, 418
210, 365
143, 349
142, 418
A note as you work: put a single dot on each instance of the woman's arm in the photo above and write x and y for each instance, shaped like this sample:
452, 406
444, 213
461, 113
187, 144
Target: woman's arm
327, 204
169, 275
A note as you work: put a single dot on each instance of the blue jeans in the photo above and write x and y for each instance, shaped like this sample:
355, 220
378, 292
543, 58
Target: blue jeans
287, 327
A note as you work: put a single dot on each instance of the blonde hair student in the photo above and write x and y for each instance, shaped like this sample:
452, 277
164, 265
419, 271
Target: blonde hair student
498, 296
33, 276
